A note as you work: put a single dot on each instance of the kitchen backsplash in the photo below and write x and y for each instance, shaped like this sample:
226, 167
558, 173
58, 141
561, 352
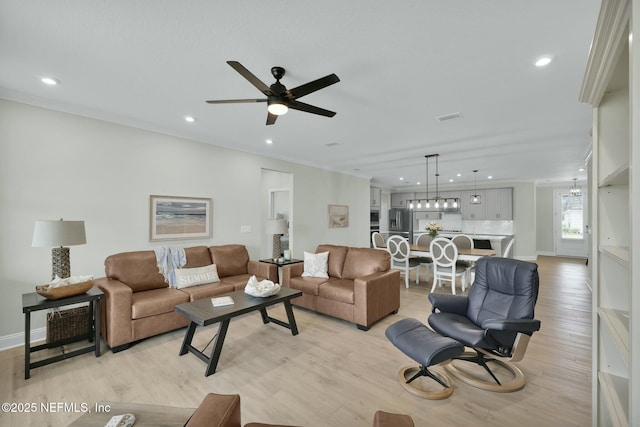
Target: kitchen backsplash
487, 227
471, 226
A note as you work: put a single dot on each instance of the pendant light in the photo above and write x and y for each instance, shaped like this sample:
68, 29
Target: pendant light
575, 190
476, 199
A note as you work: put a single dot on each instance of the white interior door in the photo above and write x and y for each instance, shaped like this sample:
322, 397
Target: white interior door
570, 218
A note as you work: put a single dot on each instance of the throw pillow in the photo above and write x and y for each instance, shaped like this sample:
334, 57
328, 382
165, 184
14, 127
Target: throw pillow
186, 277
315, 265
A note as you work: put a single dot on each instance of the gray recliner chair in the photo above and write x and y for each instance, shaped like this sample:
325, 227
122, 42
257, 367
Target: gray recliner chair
495, 320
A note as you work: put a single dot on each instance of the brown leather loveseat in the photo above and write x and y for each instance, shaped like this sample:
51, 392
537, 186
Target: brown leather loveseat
138, 303
361, 287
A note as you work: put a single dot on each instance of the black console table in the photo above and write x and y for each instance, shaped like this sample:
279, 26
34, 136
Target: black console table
35, 302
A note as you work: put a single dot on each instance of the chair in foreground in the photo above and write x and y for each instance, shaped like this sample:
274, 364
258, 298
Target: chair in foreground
508, 251
445, 256
401, 259
495, 321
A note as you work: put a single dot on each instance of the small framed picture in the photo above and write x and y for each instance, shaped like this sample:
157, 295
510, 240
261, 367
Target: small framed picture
338, 216
177, 218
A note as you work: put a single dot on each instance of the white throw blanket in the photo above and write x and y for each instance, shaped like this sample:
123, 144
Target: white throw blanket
168, 259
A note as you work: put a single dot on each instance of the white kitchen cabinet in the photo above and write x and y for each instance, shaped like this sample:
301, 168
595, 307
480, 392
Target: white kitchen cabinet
376, 195
401, 200
499, 203
614, 94
469, 210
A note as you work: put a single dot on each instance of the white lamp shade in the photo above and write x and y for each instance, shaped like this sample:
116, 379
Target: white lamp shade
276, 226
58, 233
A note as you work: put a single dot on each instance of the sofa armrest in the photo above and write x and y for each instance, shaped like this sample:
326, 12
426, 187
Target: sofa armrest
376, 295
115, 311
290, 271
217, 410
263, 269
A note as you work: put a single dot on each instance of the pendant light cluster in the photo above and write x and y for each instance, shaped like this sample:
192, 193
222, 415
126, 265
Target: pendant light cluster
575, 190
437, 202
475, 198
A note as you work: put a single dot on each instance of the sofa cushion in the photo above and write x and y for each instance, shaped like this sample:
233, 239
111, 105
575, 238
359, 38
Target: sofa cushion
197, 256
186, 277
156, 301
337, 255
138, 270
238, 282
315, 265
338, 290
361, 262
308, 285
230, 259
207, 291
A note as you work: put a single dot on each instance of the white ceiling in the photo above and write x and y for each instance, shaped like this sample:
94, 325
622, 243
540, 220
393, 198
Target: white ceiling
149, 63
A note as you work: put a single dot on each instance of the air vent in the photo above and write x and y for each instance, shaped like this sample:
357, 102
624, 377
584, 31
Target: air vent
448, 117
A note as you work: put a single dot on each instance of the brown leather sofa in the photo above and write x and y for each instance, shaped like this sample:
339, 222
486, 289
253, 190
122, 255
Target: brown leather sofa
215, 410
138, 303
361, 287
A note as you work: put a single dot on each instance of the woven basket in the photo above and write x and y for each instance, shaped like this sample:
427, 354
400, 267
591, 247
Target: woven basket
66, 324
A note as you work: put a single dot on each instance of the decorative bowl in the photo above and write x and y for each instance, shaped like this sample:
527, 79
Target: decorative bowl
64, 291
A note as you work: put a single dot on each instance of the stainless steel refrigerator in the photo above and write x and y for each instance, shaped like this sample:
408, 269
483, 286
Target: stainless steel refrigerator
400, 222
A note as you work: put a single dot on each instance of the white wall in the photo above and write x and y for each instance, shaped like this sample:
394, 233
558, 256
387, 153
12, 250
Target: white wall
57, 165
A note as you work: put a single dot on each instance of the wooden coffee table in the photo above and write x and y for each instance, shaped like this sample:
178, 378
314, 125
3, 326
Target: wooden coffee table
203, 313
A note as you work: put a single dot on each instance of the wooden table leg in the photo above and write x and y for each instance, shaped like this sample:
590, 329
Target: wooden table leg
188, 337
27, 345
292, 320
217, 348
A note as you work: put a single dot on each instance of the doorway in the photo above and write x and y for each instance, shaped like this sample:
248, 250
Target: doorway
278, 203
570, 218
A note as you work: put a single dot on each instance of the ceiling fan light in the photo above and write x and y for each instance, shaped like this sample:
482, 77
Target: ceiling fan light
276, 108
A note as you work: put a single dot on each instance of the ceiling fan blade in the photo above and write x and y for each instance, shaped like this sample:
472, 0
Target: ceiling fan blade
234, 101
307, 88
271, 119
249, 76
297, 105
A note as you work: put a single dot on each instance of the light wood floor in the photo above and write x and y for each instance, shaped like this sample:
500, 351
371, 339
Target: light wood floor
331, 374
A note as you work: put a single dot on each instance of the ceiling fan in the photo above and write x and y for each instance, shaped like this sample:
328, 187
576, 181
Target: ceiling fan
278, 98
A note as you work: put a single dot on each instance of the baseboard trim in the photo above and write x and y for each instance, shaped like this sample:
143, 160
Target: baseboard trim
17, 340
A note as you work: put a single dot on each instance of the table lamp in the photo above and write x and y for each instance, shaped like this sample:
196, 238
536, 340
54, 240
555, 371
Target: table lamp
57, 235
276, 227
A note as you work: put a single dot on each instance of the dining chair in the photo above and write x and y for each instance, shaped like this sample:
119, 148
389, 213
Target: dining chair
424, 239
401, 258
445, 254
508, 251
377, 241
464, 241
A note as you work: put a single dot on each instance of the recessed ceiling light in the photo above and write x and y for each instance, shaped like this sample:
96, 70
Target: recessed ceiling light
459, 175
449, 116
451, 180
269, 141
489, 177
581, 170
418, 183
401, 178
50, 81
189, 119
543, 61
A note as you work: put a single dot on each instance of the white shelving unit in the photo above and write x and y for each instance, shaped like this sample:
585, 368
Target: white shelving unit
612, 86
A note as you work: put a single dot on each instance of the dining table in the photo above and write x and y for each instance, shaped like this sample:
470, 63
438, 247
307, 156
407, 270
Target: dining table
472, 255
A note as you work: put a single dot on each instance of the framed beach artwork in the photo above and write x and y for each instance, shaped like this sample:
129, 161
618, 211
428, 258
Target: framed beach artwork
338, 216
177, 218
